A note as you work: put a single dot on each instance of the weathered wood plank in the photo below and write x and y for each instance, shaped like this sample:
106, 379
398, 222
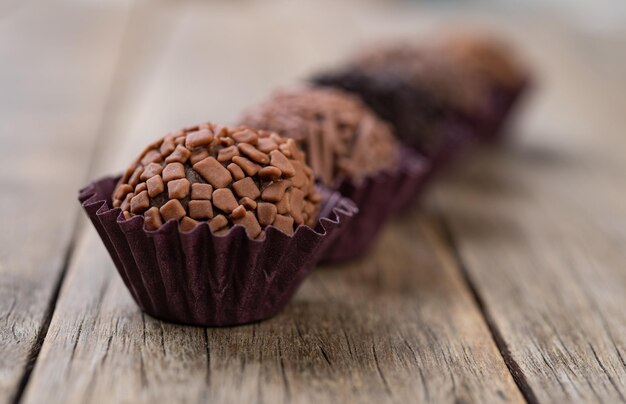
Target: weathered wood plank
57, 62
397, 326
539, 226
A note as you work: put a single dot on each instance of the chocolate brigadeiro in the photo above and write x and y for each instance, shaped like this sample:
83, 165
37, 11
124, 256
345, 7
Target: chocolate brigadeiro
222, 175
495, 64
351, 150
428, 100
342, 138
216, 225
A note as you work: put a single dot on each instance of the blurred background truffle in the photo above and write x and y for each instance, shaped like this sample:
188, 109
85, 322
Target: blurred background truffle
488, 58
496, 66
409, 87
427, 89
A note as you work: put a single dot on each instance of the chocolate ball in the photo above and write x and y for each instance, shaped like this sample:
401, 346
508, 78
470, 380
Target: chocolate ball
343, 138
416, 88
426, 68
224, 176
487, 57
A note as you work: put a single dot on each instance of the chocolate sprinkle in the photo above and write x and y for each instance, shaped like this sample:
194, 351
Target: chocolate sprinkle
199, 174
341, 136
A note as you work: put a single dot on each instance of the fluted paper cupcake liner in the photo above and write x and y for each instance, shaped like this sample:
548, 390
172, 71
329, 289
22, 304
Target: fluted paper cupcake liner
456, 137
377, 197
199, 278
503, 103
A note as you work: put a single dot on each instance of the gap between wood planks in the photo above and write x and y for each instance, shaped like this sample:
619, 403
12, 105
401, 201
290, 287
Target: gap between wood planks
514, 368
43, 330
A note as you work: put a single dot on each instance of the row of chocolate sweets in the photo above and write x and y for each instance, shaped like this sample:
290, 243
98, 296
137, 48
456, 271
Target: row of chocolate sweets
437, 98
218, 225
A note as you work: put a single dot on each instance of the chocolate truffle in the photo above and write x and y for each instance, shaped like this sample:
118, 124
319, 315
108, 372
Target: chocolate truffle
485, 56
418, 89
222, 175
342, 137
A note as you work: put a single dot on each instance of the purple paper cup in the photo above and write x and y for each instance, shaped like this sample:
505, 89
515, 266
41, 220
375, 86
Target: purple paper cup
202, 279
377, 197
456, 138
503, 103
418, 169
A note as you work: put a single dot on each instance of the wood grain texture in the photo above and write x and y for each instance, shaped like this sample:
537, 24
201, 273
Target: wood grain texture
54, 79
397, 326
539, 225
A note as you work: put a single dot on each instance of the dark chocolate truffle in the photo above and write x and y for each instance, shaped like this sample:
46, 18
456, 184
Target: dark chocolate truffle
418, 89
342, 137
223, 175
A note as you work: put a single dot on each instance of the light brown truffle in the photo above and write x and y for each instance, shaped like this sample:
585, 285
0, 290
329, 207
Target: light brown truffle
486, 56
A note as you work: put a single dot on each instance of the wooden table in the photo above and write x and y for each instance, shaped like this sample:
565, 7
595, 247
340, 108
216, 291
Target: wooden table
508, 284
